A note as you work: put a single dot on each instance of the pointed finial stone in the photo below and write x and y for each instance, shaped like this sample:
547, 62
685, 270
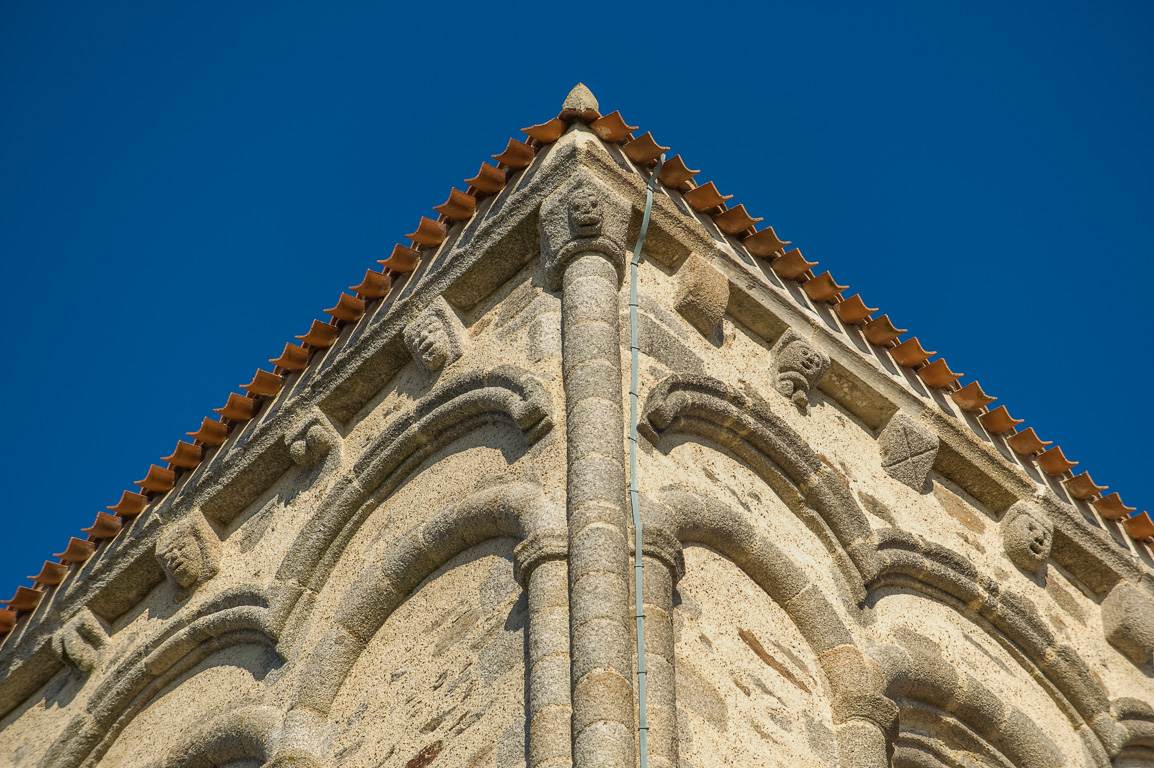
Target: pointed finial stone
580, 99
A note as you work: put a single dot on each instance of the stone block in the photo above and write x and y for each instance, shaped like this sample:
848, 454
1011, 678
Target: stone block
1128, 620
908, 451
702, 294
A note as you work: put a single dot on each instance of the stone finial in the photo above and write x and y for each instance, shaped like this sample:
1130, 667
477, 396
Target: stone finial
797, 366
189, 553
434, 339
1027, 535
1128, 620
583, 215
702, 294
80, 642
908, 451
580, 99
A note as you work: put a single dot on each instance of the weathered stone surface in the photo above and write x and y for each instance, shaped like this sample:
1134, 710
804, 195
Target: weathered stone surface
702, 294
908, 451
1128, 620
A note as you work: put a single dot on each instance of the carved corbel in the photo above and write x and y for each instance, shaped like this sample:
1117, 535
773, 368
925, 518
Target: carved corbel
797, 367
582, 216
1027, 535
313, 437
80, 642
908, 451
435, 338
188, 551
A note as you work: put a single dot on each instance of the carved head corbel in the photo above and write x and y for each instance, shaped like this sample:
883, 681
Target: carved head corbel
434, 338
583, 215
189, 553
797, 367
1027, 535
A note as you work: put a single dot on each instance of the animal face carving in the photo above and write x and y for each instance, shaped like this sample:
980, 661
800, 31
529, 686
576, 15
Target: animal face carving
798, 365
432, 338
188, 552
1027, 535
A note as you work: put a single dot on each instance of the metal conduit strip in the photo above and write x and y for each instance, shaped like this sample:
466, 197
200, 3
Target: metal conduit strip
639, 613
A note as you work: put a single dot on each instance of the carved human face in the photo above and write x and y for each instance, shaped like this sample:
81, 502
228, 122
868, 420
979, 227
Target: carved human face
1027, 538
585, 214
181, 559
801, 358
431, 342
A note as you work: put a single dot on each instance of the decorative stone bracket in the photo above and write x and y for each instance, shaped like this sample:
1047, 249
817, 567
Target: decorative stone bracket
80, 642
797, 367
314, 437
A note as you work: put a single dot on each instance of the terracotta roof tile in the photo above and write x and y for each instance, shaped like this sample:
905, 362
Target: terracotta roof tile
294, 358
185, 456
517, 155
644, 150
159, 479
1082, 487
402, 259
1112, 508
458, 207
428, 232
25, 599
881, 331
50, 574
320, 335
971, 397
910, 353
823, 287
548, 132
612, 127
238, 408
132, 504
489, 179
705, 198
1054, 462
938, 373
766, 243
674, 173
735, 220
211, 432
264, 383
1027, 442
105, 527
374, 285
854, 311
791, 264
7, 621
348, 309
78, 551
998, 420
1140, 527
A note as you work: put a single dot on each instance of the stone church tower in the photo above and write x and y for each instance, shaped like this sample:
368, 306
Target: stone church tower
415, 542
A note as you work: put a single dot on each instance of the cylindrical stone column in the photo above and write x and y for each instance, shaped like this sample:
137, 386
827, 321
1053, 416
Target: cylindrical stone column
583, 226
661, 709
599, 568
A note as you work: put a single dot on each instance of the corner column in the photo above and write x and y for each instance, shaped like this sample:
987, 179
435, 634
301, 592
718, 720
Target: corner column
583, 231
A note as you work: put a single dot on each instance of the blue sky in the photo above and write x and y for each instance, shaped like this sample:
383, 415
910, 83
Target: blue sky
184, 188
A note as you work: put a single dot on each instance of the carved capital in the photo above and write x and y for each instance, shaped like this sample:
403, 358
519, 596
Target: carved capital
536, 549
582, 216
797, 367
435, 339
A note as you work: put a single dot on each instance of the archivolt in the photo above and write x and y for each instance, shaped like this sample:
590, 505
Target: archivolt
235, 617
745, 425
450, 411
245, 734
929, 688
910, 562
854, 681
516, 510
